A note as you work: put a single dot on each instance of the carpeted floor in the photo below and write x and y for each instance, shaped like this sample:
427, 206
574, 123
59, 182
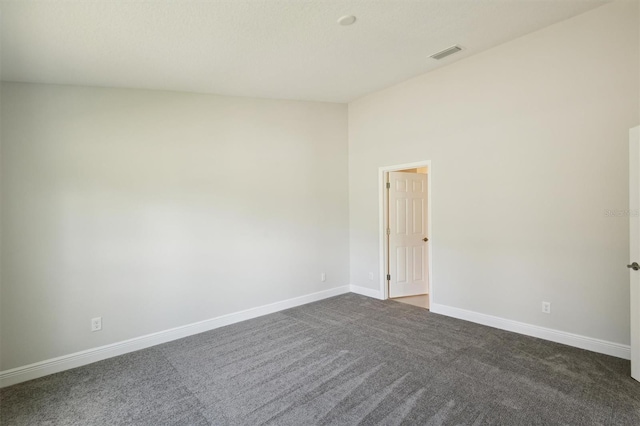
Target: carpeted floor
343, 361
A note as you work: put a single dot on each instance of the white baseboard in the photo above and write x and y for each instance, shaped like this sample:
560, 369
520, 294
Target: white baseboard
66, 362
364, 291
570, 339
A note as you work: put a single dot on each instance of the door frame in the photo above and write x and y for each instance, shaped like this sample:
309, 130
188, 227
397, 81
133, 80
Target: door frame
634, 253
383, 218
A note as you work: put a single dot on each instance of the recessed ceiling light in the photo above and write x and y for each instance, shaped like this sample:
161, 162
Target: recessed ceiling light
346, 20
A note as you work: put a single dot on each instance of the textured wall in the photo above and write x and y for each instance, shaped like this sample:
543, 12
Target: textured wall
529, 147
158, 209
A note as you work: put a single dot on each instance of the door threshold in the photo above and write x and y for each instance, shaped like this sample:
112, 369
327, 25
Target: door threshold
420, 300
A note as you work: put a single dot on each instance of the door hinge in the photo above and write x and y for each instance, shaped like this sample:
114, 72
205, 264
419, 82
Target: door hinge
388, 277
388, 185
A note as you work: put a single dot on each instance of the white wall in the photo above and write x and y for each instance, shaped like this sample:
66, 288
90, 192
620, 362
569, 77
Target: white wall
137, 206
529, 145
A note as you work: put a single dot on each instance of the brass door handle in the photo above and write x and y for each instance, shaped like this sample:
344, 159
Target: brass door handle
425, 239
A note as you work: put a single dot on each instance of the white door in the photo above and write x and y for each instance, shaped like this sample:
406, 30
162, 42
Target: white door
634, 238
407, 229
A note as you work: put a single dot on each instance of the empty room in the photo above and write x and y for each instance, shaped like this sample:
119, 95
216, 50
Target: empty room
320, 212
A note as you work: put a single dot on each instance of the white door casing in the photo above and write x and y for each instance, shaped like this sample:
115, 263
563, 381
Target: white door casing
408, 265
634, 249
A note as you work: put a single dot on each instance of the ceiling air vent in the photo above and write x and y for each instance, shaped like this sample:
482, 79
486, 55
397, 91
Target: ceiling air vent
446, 52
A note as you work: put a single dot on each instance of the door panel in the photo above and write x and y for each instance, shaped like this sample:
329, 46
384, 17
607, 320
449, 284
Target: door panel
418, 216
407, 229
401, 217
418, 263
403, 263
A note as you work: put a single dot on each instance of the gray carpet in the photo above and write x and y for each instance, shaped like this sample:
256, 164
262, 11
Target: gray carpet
343, 361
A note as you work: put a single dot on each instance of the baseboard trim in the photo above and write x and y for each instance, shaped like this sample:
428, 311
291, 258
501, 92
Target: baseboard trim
66, 362
364, 291
570, 339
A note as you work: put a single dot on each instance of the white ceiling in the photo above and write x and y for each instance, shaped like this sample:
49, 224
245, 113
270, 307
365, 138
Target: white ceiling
268, 48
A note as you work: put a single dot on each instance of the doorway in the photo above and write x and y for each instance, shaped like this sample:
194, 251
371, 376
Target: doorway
405, 229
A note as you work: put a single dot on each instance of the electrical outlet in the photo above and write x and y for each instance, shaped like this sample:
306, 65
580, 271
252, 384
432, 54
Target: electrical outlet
96, 324
546, 307
323, 277
370, 276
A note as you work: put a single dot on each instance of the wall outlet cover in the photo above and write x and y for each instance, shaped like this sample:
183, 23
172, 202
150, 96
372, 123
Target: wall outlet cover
96, 324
